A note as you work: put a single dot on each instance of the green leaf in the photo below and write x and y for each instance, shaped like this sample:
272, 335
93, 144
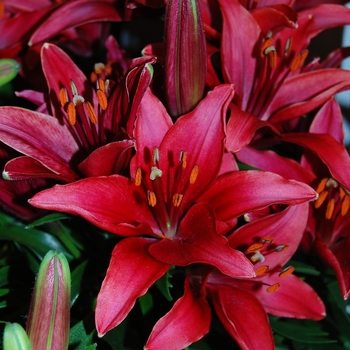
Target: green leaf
48, 218
146, 303
77, 276
4, 274
8, 70
304, 268
164, 285
79, 339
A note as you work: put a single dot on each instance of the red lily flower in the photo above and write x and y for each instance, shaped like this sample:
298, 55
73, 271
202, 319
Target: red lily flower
242, 305
327, 169
84, 128
173, 166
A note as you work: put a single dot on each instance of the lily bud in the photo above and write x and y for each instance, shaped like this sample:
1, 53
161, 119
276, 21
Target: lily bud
185, 66
49, 314
8, 70
15, 337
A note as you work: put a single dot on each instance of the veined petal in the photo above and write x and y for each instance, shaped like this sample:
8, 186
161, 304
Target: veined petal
243, 317
190, 245
38, 138
112, 203
130, 273
187, 321
240, 192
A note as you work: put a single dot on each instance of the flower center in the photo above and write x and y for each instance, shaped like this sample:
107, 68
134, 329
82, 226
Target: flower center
166, 203
333, 198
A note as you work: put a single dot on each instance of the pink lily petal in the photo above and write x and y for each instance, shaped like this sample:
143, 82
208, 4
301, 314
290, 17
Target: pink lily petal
302, 93
240, 192
332, 153
242, 314
240, 30
282, 227
286, 301
337, 259
130, 273
187, 322
118, 193
190, 245
241, 128
75, 14
113, 155
43, 134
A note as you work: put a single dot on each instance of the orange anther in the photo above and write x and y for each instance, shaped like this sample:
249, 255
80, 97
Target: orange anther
71, 113
255, 248
183, 159
295, 63
303, 56
341, 193
194, 174
102, 99
2, 9
138, 177
267, 240
281, 248
330, 208
261, 270
63, 96
287, 271
101, 84
91, 112
108, 69
93, 77
177, 198
152, 199
272, 58
321, 186
321, 198
345, 206
273, 288
267, 43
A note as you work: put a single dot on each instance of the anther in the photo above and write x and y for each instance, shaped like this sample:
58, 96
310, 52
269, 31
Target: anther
91, 112
341, 193
303, 56
267, 240
183, 159
93, 77
194, 174
287, 271
177, 199
261, 270
257, 257
138, 177
321, 198
255, 248
100, 84
273, 288
267, 43
102, 99
330, 208
155, 155
63, 96
155, 172
152, 199
288, 47
345, 206
281, 248
272, 54
295, 63
73, 87
321, 186
71, 113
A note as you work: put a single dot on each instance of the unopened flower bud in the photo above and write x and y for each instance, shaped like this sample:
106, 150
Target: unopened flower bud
185, 66
49, 314
15, 337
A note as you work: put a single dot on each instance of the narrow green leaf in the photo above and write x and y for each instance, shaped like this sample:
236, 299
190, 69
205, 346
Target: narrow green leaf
78, 338
146, 303
164, 285
77, 276
304, 268
48, 218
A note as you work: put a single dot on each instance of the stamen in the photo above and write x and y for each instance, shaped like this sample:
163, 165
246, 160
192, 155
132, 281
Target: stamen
102, 99
156, 155
257, 257
101, 84
73, 87
303, 56
330, 208
78, 99
91, 113
99, 67
108, 69
63, 96
183, 159
71, 113
295, 63
341, 193
273, 288
321, 186
177, 199
255, 248
288, 47
194, 174
272, 54
332, 182
155, 172
281, 248
345, 206
138, 177
321, 198
267, 43
267, 240
261, 270
152, 199
287, 271
93, 77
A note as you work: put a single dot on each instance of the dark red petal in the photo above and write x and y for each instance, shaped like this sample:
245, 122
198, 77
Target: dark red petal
130, 273
187, 321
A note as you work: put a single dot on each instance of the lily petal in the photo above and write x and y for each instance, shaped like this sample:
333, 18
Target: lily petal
130, 273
